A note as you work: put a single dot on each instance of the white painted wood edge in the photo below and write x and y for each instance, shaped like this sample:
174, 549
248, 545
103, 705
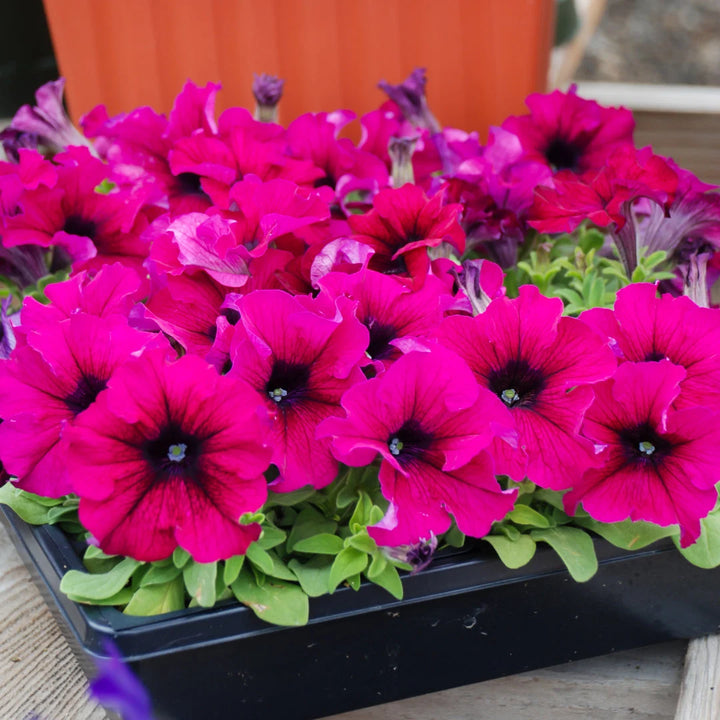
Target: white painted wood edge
700, 690
660, 98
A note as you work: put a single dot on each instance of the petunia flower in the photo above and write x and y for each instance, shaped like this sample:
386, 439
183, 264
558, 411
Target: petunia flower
430, 423
397, 318
47, 384
401, 227
570, 133
644, 327
657, 464
301, 361
171, 455
541, 366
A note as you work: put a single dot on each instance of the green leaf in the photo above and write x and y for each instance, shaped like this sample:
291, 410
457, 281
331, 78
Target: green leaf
348, 562
180, 557
159, 575
308, 523
275, 602
362, 541
513, 553
260, 558
232, 568
389, 579
524, 515
575, 548
119, 599
705, 552
271, 537
200, 582
105, 187
361, 514
26, 505
322, 544
289, 498
97, 587
627, 534
279, 569
378, 565
314, 575
157, 599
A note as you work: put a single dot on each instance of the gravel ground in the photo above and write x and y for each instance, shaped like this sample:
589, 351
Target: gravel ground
656, 41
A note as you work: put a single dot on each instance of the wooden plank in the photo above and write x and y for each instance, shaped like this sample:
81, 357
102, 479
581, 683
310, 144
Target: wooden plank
700, 689
39, 676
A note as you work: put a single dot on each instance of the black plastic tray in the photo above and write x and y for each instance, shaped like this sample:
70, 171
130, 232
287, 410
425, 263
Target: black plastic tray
464, 619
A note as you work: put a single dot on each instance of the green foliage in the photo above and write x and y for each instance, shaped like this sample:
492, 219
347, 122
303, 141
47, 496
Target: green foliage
580, 269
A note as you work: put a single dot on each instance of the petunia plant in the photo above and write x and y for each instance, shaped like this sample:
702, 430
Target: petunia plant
246, 361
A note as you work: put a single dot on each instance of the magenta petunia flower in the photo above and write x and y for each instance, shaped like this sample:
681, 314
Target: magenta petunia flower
301, 361
430, 423
571, 133
89, 227
314, 137
397, 319
656, 464
541, 365
186, 309
171, 455
401, 227
113, 290
47, 384
609, 199
644, 327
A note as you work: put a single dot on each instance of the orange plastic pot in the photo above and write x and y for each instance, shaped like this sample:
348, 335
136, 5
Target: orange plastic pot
483, 57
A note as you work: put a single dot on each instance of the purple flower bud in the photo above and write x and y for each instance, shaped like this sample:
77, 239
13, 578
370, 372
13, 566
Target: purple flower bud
693, 257
418, 556
7, 337
267, 90
48, 120
13, 140
469, 280
401, 150
409, 96
24, 265
117, 688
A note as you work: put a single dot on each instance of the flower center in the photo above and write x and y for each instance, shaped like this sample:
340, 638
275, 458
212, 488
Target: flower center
517, 384
643, 445
646, 448
287, 382
380, 337
85, 393
409, 441
77, 225
174, 453
562, 155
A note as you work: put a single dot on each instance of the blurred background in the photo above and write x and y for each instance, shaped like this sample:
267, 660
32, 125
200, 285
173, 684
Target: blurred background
661, 58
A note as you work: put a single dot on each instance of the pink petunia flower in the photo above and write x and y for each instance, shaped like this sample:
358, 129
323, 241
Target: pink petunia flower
47, 384
570, 133
644, 327
396, 318
401, 227
430, 423
656, 464
301, 361
541, 365
171, 455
